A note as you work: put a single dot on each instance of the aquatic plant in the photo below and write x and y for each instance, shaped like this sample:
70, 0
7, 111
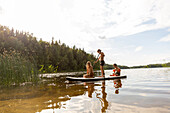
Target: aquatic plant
48, 69
16, 69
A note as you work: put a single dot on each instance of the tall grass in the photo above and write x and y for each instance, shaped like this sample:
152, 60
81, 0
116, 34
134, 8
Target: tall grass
48, 69
16, 69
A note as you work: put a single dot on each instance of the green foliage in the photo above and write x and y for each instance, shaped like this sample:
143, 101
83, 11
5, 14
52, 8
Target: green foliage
108, 66
164, 65
15, 69
152, 66
168, 64
54, 56
49, 69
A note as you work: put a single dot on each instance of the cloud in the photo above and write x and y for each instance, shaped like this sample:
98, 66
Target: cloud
136, 12
139, 48
118, 18
85, 22
165, 39
0, 8
151, 21
93, 18
102, 37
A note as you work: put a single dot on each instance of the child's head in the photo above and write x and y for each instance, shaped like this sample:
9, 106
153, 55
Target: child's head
114, 65
99, 51
88, 64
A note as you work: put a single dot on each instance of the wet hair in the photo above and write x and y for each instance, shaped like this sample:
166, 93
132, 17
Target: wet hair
115, 64
99, 50
88, 64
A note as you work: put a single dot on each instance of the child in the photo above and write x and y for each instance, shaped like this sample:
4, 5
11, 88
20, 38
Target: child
101, 59
116, 71
90, 73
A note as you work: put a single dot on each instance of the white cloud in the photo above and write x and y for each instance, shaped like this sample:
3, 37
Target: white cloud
93, 18
139, 48
168, 30
85, 22
165, 39
0, 9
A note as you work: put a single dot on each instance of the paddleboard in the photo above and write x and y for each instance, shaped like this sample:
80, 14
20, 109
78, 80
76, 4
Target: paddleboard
94, 79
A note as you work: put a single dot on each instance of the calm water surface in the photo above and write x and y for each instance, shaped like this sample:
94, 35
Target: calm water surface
144, 91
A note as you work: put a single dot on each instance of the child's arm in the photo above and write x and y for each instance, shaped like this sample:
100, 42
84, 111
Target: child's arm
87, 71
97, 60
113, 72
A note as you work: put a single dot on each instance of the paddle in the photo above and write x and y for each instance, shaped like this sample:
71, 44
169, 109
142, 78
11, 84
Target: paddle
97, 58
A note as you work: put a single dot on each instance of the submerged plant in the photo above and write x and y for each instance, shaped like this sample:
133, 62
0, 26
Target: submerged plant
16, 69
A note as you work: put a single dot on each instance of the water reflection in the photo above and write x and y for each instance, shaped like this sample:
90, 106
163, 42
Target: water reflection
90, 88
51, 95
103, 100
146, 93
117, 85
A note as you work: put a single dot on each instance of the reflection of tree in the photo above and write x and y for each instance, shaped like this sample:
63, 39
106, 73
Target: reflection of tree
47, 95
104, 102
117, 85
50, 95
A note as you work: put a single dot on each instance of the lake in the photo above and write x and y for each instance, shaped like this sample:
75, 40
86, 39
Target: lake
143, 91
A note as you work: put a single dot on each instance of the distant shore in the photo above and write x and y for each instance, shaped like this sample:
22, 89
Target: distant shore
109, 66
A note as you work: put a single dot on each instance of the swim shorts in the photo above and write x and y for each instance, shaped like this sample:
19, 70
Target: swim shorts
102, 63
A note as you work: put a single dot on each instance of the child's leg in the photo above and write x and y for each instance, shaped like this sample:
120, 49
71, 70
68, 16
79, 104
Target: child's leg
85, 76
102, 71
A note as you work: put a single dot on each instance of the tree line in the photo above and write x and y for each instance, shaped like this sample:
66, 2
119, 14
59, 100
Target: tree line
47, 56
108, 66
152, 65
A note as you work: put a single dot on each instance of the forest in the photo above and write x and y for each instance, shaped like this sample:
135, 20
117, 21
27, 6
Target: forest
18, 49
152, 65
45, 54
23, 57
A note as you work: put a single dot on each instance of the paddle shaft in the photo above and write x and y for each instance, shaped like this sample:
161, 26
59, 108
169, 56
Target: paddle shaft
97, 58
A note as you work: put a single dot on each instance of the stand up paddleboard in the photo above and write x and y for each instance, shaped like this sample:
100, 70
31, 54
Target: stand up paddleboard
93, 79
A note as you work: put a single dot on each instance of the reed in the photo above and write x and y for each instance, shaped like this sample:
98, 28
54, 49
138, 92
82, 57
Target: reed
16, 69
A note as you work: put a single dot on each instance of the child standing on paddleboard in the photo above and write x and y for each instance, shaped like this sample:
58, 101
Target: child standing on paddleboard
101, 59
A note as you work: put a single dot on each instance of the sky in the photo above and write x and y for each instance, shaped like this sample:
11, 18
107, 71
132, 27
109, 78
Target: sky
129, 32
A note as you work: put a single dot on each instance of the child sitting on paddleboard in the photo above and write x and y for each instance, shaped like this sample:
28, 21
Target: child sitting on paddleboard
90, 73
116, 71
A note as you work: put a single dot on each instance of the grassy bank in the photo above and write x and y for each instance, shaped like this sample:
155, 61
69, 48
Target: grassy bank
16, 69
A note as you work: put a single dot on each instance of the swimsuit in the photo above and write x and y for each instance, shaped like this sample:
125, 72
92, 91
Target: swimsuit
101, 60
102, 63
117, 72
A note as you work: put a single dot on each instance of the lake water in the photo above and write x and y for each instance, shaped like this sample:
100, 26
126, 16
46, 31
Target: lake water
144, 91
